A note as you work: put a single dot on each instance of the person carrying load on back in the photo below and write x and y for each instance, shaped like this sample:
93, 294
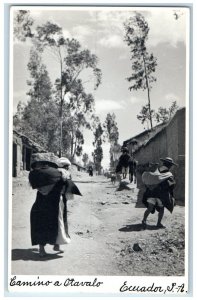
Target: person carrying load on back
124, 162
159, 191
48, 217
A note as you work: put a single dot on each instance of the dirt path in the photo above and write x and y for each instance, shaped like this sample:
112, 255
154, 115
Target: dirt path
104, 225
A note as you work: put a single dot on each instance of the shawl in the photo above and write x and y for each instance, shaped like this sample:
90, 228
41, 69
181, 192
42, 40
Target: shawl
72, 188
44, 176
49, 176
154, 178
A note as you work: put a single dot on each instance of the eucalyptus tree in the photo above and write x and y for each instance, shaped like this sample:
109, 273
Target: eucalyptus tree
23, 23
143, 62
73, 61
111, 128
112, 134
145, 116
165, 114
98, 140
79, 110
38, 117
162, 115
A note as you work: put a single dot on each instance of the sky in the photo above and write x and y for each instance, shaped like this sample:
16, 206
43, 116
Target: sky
101, 30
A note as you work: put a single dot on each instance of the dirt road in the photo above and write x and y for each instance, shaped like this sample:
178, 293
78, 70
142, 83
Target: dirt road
104, 225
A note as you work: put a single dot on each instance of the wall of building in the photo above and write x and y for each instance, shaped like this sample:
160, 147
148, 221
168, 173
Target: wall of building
180, 170
17, 156
169, 142
21, 154
142, 138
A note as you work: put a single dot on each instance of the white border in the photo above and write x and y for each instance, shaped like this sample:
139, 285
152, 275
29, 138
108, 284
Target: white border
187, 97
10, 141
187, 136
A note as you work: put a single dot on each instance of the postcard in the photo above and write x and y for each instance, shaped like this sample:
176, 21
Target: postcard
99, 101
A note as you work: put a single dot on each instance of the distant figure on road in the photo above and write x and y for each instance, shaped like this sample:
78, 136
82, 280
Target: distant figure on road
159, 191
113, 178
90, 170
49, 212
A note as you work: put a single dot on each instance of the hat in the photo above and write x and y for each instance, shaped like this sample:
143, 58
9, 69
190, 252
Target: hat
169, 161
47, 157
63, 161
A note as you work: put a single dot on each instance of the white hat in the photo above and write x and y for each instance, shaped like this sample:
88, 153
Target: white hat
63, 161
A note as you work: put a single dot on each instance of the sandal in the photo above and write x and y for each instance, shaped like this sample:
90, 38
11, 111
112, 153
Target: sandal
57, 248
42, 254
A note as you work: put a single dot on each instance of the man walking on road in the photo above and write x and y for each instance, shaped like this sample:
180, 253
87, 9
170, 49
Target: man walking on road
159, 191
124, 162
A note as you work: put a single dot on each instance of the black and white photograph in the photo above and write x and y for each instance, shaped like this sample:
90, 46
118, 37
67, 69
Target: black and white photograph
99, 149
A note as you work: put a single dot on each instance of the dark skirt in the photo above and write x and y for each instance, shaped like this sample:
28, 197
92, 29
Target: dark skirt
44, 217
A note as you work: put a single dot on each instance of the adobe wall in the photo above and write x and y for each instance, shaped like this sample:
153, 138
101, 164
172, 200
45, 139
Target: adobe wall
17, 146
170, 142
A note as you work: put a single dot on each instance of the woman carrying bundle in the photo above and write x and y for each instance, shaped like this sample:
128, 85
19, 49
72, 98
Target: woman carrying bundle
49, 212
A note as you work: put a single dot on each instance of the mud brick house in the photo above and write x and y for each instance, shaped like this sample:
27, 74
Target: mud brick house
23, 147
165, 140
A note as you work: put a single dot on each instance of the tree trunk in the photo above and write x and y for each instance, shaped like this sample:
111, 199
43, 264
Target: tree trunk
149, 107
148, 91
61, 108
72, 143
60, 145
75, 148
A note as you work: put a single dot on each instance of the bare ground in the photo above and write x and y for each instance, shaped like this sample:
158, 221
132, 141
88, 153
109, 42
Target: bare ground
104, 225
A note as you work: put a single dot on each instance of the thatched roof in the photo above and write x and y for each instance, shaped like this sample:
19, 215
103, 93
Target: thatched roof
151, 135
27, 141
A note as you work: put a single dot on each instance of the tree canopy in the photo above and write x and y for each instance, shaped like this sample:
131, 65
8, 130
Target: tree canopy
67, 117
98, 139
111, 128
